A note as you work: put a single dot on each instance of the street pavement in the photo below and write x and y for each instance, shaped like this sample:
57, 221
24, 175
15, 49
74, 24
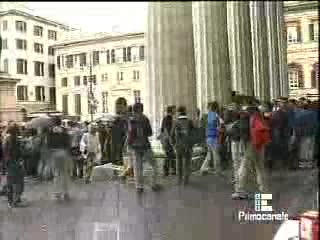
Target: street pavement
113, 210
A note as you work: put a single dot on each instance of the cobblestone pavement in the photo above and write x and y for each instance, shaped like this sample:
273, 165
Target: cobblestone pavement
113, 211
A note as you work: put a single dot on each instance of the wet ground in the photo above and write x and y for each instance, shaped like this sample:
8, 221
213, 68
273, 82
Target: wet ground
113, 211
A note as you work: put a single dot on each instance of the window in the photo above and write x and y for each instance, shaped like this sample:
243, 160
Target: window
22, 66
85, 80
293, 79
76, 81
104, 102
4, 44
52, 35
21, 44
94, 79
65, 104
22, 93
95, 58
83, 59
315, 76
52, 93
124, 54
113, 56
108, 56
38, 69
64, 82
104, 77
136, 75
38, 48
128, 54
5, 25
121, 75
293, 34
77, 104
6, 65
137, 96
58, 62
40, 95
313, 31
51, 51
37, 31
21, 26
69, 61
141, 53
52, 71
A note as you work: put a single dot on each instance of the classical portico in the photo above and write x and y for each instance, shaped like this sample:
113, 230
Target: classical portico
201, 51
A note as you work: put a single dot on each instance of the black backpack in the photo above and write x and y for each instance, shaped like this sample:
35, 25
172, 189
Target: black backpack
184, 133
244, 127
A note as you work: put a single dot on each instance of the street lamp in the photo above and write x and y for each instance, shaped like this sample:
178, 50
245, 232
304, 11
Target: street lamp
92, 102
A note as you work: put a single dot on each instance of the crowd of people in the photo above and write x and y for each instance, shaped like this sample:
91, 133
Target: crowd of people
245, 136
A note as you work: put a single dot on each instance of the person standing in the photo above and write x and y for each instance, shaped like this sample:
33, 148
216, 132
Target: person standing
165, 138
61, 164
15, 171
90, 148
183, 141
139, 131
212, 134
255, 154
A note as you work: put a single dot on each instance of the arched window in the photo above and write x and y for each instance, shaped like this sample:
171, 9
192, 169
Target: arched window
295, 76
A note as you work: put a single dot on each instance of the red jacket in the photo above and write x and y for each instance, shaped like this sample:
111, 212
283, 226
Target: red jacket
259, 132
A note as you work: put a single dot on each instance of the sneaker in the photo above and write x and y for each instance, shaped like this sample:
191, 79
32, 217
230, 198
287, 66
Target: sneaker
140, 190
10, 205
239, 196
156, 187
204, 172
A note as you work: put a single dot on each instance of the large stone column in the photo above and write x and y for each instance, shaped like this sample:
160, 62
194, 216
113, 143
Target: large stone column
260, 51
282, 46
273, 49
211, 53
170, 59
240, 49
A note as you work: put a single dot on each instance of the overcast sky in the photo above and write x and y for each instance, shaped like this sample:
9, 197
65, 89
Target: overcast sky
95, 16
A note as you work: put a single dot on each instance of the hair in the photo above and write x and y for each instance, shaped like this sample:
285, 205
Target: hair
138, 107
213, 106
182, 110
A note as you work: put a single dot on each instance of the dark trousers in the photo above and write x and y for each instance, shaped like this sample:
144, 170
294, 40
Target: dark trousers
15, 188
117, 155
170, 161
184, 156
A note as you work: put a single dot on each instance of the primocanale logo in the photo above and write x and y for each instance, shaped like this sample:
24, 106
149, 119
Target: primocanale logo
263, 211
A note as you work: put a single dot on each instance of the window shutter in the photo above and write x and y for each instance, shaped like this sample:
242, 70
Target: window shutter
299, 36
300, 75
313, 79
311, 32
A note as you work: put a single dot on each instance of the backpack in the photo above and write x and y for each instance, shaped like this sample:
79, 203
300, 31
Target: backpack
184, 133
244, 127
136, 135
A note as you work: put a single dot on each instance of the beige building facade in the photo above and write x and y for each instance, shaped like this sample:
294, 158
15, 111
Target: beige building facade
27, 55
117, 68
302, 29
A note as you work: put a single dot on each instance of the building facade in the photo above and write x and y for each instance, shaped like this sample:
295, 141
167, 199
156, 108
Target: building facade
115, 64
302, 29
27, 55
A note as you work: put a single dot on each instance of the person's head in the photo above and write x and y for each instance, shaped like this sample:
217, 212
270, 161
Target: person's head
182, 111
13, 130
138, 108
198, 113
292, 103
130, 109
92, 128
170, 110
213, 106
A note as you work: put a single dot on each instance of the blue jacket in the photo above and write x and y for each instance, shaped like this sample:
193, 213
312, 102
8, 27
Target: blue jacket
212, 128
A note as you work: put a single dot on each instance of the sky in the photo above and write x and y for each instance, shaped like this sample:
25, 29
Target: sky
95, 16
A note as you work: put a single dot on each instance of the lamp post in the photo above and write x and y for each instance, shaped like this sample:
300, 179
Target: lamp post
92, 102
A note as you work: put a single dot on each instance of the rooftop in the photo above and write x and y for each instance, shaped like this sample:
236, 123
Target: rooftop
36, 18
77, 38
